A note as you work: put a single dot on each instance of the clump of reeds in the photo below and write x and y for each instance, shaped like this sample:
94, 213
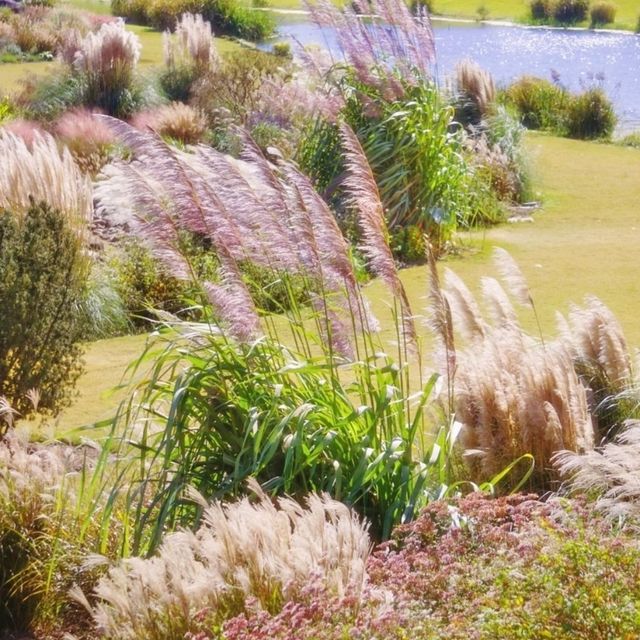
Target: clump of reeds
42, 172
475, 86
177, 121
244, 552
394, 45
612, 473
88, 139
519, 395
107, 61
191, 44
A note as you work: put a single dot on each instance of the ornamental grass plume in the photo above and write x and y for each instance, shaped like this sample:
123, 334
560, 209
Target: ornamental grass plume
514, 395
88, 138
476, 86
107, 61
191, 45
177, 120
42, 172
403, 45
248, 210
363, 195
245, 553
611, 472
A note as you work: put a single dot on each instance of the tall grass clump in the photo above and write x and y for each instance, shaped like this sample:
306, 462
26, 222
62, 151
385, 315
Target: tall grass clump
423, 170
244, 553
517, 395
53, 513
107, 62
591, 115
189, 54
311, 401
549, 106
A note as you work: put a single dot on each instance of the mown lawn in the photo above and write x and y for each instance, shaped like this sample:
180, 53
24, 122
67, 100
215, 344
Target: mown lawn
585, 240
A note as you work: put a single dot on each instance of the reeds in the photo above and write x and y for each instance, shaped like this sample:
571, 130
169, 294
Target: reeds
191, 44
610, 473
244, 552
395, 44
518, 395
41, 172
177, 121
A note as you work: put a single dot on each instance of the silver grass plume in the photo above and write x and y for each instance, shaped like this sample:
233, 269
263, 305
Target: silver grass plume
242, 551
364, 197
464, 308
513, 277
43, 173
500, 307
612, 473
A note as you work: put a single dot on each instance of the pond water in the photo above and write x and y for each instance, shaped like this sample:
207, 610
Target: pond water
578, 58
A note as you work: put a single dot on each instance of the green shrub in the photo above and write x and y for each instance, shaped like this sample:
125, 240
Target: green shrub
570, 11
540, 103
541, 10
235, 85
144, 286
133, 10
409, 244
43, 274
591, 115
229, 17
164, 14
602, 13
282, 50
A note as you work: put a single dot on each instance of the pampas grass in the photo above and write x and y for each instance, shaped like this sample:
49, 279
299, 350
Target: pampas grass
518, 395
41, 172
191, 45
244, 552
612, 473
177, 121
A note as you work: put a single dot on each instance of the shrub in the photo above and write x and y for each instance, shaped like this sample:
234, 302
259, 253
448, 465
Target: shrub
591, 115
165, 14
602, 13
234, 19
282, 50
541, 10
630, 140
143, 285
570, 11
236, 84
540, 103
227, 16
133, 10
42, 286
